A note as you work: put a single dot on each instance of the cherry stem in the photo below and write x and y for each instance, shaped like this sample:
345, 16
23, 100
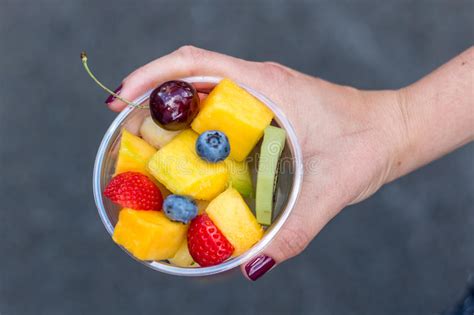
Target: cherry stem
84, 63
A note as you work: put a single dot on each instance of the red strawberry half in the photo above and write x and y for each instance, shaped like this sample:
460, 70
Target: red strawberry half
207, 245
134, 190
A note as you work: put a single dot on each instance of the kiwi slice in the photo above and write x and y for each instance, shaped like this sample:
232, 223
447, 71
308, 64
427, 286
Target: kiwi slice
270, 151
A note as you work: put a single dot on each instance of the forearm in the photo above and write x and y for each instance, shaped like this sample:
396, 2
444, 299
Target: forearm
436, 114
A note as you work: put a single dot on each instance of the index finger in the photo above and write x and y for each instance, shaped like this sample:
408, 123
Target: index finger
184, 62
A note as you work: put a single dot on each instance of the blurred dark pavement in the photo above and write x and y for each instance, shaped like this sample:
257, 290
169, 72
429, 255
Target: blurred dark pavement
407, 250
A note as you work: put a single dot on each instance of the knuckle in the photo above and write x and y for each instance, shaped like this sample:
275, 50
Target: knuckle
278, 71
278, 68
293, 242
186, 49
190, 53
191, 57
273, 64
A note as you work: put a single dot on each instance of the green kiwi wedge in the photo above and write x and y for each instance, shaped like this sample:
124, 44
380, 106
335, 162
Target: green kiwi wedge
270, 152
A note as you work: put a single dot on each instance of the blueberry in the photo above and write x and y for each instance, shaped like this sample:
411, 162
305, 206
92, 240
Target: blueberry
213, 146
180, 208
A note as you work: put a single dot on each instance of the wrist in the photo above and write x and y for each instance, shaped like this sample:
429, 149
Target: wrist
393, 132
434, 115
371, 122
405, 134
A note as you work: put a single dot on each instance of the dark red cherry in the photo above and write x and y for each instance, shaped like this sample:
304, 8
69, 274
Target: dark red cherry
174, 104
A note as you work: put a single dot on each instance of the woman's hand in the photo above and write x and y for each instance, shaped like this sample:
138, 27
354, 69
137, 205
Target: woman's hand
353, 141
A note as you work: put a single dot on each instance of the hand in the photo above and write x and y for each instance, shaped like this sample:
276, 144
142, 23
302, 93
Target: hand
353, 141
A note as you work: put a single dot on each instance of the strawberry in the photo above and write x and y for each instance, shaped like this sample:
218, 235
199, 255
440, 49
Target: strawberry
134, 190
206, 244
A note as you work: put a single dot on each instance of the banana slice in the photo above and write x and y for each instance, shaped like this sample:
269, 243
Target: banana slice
155, 135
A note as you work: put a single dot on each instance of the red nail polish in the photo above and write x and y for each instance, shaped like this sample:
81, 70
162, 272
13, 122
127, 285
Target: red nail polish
258, 266
112, 98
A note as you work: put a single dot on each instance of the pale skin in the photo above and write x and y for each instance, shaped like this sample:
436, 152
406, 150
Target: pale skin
353, 141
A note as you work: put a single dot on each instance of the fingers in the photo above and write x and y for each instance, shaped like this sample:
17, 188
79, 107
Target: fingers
310, 216
184, 62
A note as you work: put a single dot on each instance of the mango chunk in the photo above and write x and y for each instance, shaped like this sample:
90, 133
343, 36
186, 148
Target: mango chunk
148, 235
232, 110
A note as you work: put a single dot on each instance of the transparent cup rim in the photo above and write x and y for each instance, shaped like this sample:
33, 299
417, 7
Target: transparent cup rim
270, 233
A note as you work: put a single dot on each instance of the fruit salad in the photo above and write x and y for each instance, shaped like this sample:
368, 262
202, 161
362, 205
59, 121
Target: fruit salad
183, 183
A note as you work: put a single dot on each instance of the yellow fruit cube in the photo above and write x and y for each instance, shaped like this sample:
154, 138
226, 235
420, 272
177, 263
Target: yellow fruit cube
182, 258
148, 235
232, 110
182, 171
233, 218
133, 155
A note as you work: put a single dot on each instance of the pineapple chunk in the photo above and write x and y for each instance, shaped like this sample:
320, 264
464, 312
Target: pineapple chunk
182, 258
232, 110
149, 235
133, 155
233, 218
182, 171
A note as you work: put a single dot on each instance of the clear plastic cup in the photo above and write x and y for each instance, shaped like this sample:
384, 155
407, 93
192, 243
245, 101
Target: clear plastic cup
286, 194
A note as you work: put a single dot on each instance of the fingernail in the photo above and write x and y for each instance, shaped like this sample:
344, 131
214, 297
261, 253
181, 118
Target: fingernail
258, 266
112, 98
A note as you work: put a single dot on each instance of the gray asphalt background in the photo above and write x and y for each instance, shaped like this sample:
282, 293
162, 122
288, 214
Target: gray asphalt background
407, 250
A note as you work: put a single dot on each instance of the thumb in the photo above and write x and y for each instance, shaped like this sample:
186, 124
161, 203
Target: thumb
304, 223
